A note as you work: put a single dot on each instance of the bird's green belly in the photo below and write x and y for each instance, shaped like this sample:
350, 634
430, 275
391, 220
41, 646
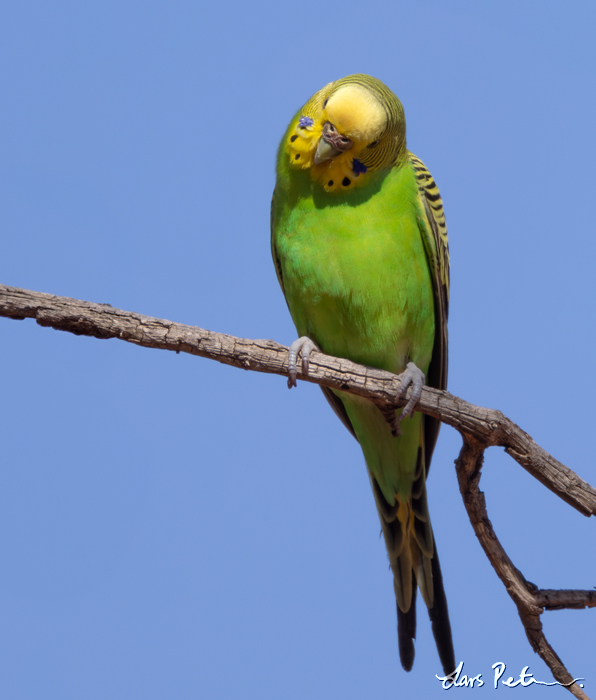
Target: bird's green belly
358, 286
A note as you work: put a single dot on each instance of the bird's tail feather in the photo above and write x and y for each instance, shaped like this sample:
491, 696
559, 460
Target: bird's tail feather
406, 630
414, 562
439, 617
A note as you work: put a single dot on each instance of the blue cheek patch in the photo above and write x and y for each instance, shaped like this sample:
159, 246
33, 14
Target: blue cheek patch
358, 167
305, 122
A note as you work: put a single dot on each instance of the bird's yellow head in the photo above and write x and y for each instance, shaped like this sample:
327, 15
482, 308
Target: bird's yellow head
350, 128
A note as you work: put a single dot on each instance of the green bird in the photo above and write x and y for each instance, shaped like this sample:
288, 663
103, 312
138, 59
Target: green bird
359, 242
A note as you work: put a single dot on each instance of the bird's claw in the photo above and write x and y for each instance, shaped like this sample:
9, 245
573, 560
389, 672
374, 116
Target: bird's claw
304, 346
414, 376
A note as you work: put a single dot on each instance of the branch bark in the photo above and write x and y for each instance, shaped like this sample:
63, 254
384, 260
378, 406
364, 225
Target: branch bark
479, 427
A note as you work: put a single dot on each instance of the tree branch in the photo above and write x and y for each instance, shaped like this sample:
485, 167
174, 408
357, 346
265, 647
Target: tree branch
480, 427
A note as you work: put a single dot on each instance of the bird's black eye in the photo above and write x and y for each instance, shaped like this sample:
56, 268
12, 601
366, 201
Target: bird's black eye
325, 103
373, 144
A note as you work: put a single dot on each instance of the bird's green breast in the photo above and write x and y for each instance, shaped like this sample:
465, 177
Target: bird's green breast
354, 268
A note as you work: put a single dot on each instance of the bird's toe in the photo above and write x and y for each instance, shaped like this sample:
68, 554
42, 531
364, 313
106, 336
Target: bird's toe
303, 346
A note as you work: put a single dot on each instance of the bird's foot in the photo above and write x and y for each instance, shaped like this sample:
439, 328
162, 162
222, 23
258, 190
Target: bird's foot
414, 376
304, 346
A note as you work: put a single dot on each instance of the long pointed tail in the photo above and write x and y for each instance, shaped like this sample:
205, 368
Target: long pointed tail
406, 631
439, 617
415, 564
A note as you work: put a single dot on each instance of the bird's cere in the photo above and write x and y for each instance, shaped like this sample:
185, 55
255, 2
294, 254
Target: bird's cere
339, 141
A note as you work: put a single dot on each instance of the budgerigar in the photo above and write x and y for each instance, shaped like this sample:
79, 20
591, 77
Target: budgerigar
360, 248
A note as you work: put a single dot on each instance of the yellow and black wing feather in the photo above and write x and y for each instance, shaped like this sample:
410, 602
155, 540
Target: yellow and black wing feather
434, 232
437, 250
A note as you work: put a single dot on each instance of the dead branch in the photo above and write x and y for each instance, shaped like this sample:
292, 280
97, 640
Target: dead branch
479, 427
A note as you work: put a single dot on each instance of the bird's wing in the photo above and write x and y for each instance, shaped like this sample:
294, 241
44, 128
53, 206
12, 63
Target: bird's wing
437, 251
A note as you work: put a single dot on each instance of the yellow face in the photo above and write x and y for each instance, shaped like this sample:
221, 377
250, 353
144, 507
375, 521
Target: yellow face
343, 133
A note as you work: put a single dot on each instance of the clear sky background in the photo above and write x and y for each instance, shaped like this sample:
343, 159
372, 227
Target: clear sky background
174, 528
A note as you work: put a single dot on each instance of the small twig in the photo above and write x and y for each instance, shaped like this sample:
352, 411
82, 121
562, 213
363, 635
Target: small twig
479, 427
558, 600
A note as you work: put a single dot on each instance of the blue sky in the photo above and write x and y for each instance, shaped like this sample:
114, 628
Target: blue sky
174, 528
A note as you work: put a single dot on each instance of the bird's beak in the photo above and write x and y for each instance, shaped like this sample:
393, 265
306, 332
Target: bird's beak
325, 151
